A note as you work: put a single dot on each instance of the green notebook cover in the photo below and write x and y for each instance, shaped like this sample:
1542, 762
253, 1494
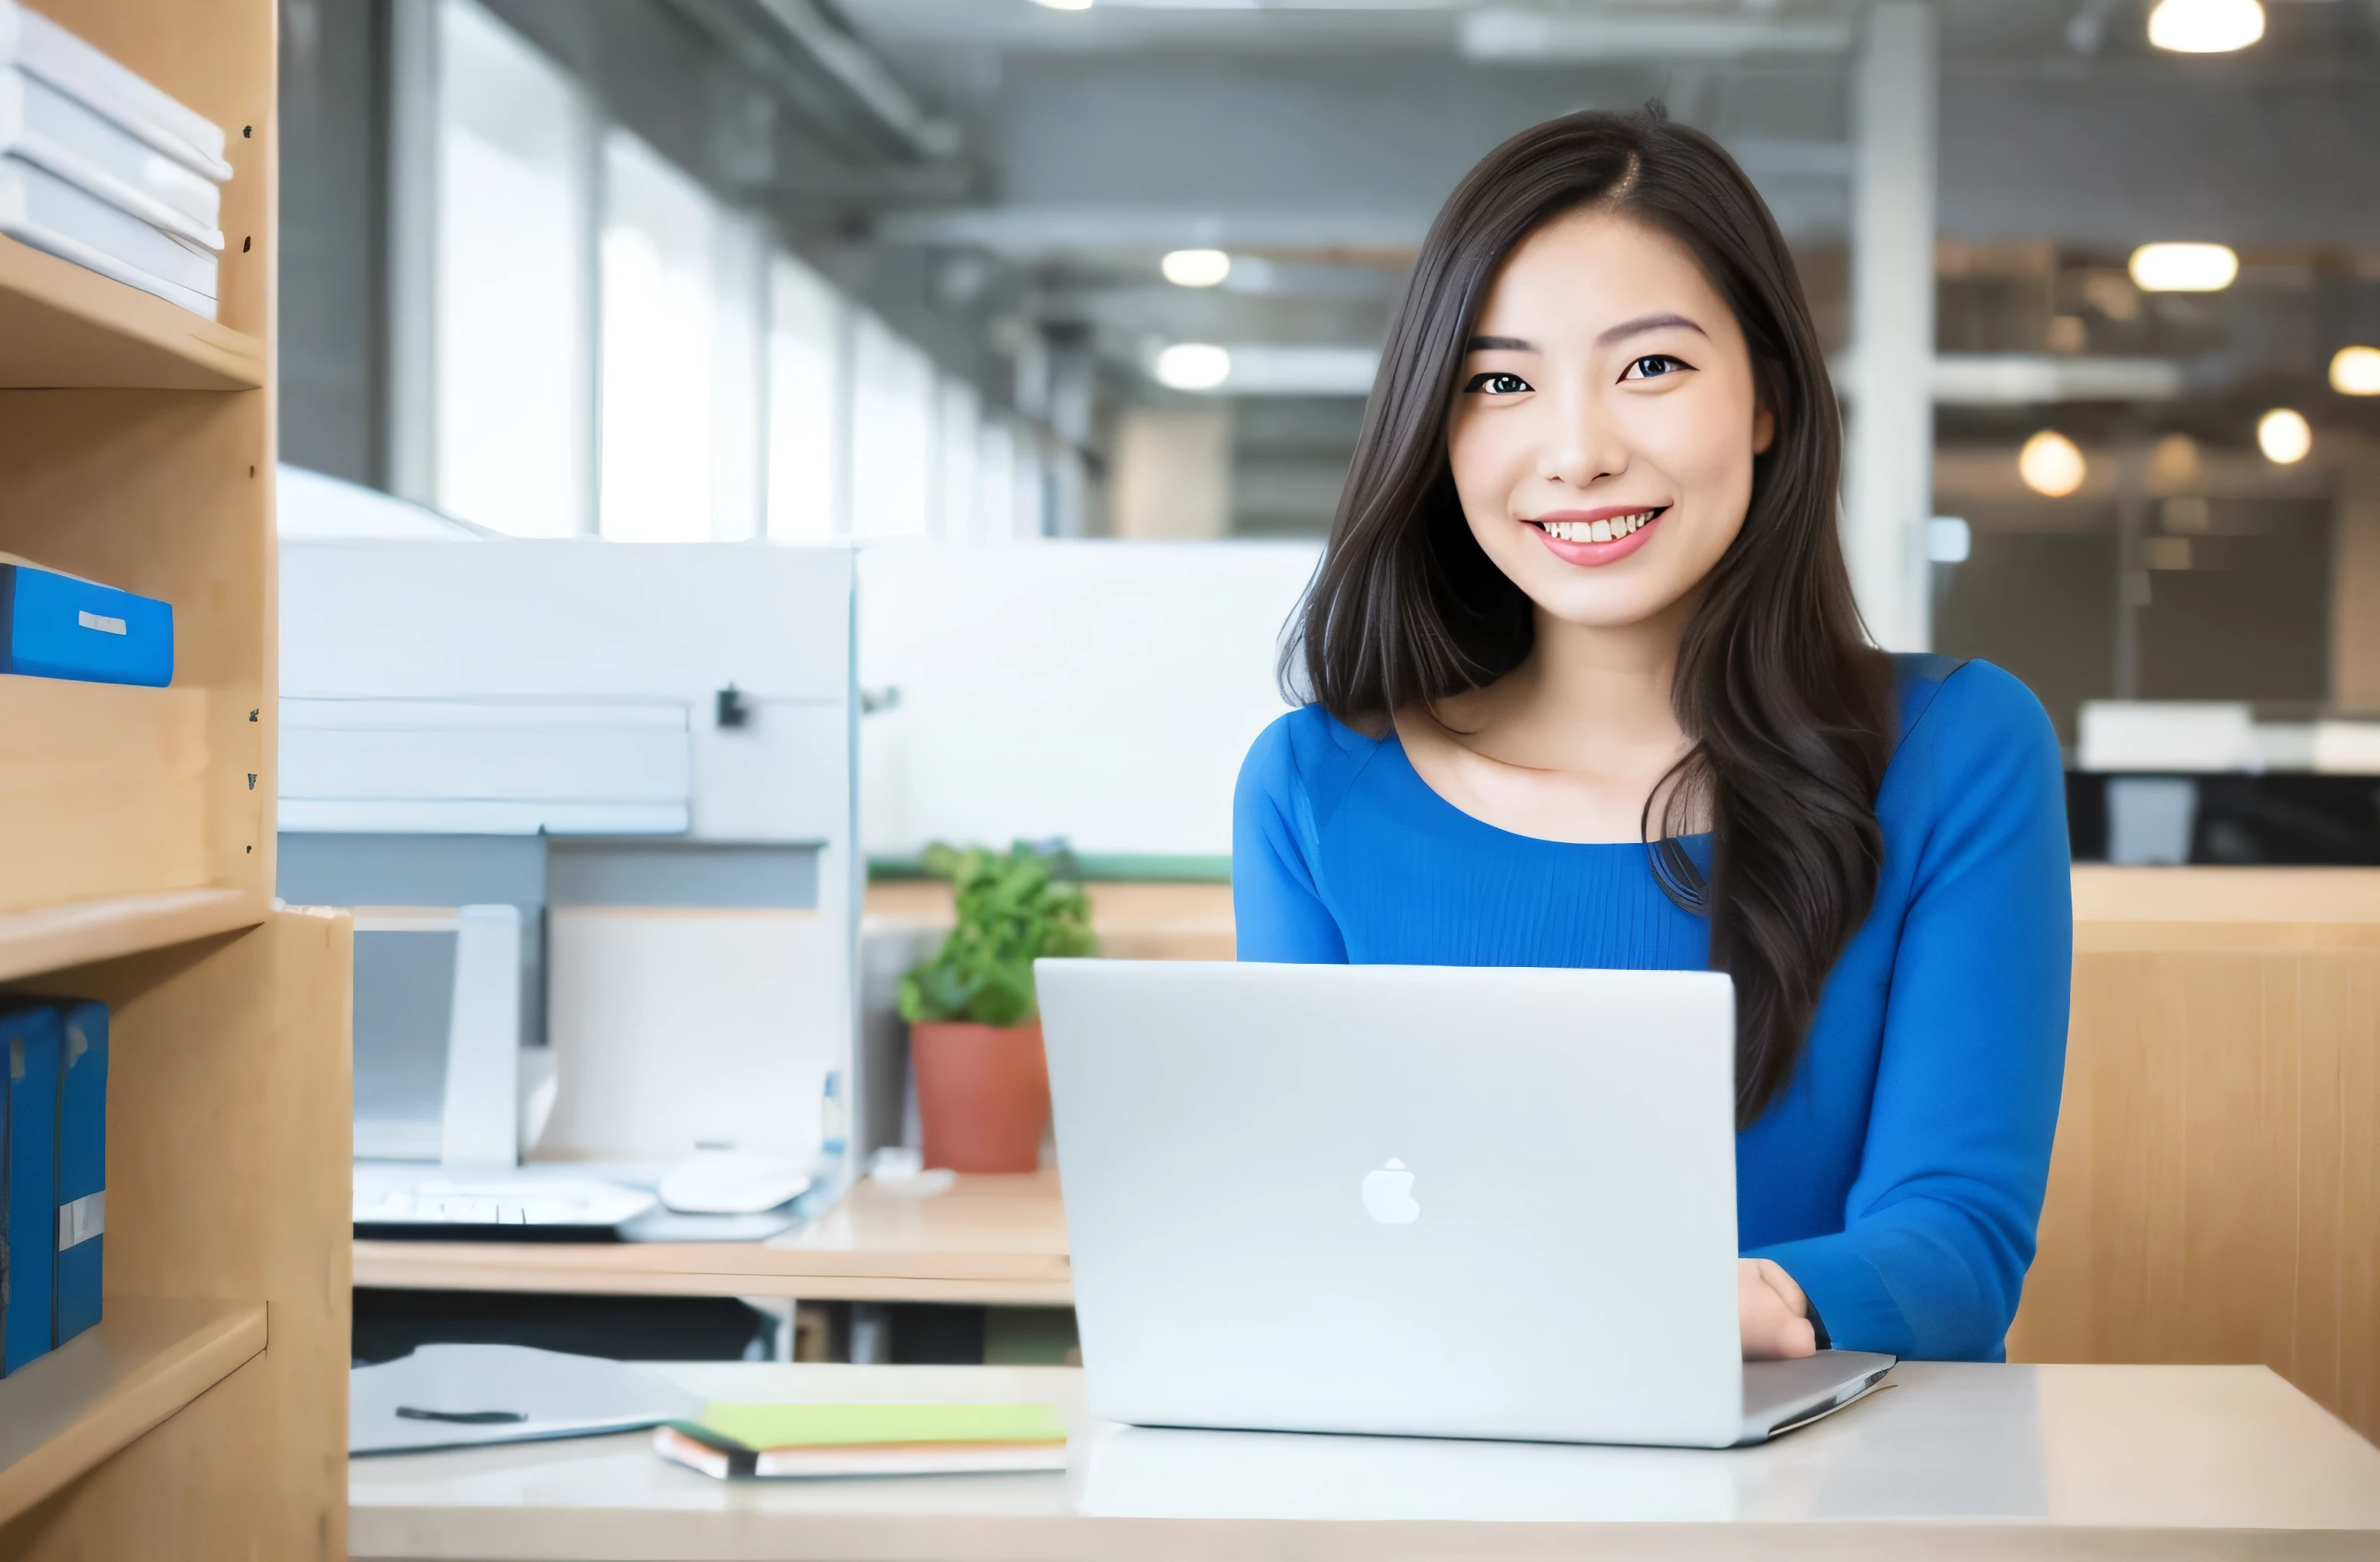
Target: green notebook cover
757, 1427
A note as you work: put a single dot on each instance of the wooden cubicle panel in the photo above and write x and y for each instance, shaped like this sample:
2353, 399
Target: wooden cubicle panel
2214, 1193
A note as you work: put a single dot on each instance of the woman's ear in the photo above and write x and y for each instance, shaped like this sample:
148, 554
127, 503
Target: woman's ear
1763, 429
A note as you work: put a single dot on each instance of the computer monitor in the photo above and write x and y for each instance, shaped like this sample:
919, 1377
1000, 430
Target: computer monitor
438, 1034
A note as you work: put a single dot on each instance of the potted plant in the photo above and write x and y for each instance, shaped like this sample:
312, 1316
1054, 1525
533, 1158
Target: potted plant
975, 1032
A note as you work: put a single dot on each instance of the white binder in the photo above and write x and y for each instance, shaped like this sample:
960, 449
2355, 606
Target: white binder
46, 127
41, 47
40, 209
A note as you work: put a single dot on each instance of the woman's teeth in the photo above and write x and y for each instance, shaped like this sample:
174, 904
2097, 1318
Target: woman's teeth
1598, 531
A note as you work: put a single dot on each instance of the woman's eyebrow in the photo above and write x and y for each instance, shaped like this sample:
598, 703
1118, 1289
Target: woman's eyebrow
1499, 344
1644, 322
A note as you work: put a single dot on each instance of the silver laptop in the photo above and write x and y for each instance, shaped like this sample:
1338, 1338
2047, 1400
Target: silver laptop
1415, 1199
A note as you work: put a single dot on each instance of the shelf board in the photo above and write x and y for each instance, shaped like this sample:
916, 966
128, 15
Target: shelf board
65, 1413
62, 326
79, 931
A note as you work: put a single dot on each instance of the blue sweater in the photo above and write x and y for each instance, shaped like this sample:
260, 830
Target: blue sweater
1898, 1176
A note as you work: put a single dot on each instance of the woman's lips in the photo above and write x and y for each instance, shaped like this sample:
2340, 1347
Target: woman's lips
1591, 552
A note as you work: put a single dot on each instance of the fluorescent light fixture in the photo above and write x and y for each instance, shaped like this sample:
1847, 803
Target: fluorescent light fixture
2356, 372
2283, 436
1196, 268
2205, 27
1536, 38
1949, 538
2183, 268
2051, 465
1065, 5
1193, 366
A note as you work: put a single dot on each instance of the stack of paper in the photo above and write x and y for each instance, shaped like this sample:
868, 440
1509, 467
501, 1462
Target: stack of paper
98, 167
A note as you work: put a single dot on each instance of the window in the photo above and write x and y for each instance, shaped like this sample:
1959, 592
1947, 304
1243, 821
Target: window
509, 329
658, 260
957, 432
892, 434
805, 381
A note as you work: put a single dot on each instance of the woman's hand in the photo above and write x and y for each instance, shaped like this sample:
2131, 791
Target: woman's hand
1775, 1315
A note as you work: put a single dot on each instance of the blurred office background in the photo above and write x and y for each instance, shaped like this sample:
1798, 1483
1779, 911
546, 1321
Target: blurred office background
968, 280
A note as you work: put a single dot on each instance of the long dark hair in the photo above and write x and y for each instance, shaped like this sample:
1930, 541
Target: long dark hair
1791, 710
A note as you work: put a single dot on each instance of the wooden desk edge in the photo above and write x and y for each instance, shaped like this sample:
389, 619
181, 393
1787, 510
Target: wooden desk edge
714, 1269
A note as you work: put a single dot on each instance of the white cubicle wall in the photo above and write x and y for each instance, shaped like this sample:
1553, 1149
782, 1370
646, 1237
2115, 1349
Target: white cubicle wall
703, 887
1101, 691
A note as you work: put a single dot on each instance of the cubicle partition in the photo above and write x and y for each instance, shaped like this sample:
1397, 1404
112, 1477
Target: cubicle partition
2215, 1194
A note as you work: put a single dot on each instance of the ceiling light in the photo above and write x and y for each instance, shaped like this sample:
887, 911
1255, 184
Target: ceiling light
2356, 372
1193, 366
2050, 465
2184, 268
1065, 5
2283, 436
2205, 26
1196, 268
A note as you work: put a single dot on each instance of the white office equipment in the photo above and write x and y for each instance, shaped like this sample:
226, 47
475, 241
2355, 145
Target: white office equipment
390, 1195
2180, 735
437, 1035
2151, 819
729, 1181
1429, 1201
488, 766
672, 728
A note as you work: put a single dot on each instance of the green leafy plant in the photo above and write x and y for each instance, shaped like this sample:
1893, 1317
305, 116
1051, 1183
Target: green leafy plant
1012, 906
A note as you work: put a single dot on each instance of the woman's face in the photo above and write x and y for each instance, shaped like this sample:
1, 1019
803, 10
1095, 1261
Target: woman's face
1605, 420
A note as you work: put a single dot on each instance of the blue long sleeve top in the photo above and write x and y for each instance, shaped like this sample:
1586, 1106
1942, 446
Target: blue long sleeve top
1898, 1176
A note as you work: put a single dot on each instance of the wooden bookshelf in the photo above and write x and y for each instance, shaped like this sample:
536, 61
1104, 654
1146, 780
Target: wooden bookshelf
206, 1415
66, 326
67, 1412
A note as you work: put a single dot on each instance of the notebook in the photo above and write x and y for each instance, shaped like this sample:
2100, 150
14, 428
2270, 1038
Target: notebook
40, 209
28, 1042
829, 1440
45, 49
46, 127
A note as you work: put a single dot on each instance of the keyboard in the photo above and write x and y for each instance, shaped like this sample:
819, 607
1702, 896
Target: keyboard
401, 1204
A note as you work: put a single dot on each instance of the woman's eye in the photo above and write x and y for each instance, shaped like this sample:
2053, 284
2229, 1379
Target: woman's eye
1495, 382
1652, 366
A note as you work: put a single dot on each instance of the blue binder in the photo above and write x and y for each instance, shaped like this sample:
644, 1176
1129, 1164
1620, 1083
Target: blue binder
58, 626
30, 1037
82, 1165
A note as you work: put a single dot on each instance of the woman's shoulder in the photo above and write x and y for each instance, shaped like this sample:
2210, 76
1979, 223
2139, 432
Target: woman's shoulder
1309, 754
1944, 700
1969, 729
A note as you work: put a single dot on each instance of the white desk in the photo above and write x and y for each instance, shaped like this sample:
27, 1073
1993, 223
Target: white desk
1957, 1461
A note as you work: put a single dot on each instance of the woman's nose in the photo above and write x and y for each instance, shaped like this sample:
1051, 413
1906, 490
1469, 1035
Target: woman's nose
1582, 447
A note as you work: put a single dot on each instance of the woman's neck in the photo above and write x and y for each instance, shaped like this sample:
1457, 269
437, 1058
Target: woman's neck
1568, 745
1589, 699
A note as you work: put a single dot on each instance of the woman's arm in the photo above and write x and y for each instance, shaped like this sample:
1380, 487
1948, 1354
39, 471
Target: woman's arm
1938, 1227
1276, 905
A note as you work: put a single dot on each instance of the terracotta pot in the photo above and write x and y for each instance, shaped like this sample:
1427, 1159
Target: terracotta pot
983, 1094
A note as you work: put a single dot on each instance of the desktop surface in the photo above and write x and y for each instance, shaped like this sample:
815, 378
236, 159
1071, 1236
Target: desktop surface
1954, 1459
979, 1240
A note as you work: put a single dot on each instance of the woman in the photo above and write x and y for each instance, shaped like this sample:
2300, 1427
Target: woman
1589, 689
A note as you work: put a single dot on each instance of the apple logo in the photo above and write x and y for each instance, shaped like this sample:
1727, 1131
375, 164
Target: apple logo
1388, 1195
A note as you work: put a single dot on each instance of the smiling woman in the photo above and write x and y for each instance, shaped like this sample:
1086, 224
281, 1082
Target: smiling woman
1590, 689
